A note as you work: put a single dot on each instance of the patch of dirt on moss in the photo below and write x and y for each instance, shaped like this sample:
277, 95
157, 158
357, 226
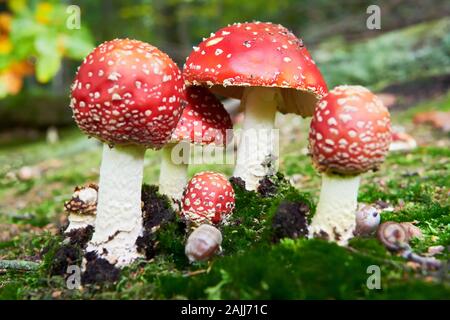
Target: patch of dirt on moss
80, 236
237, 181
65, 256
290, 220
98, 270
62, 254
156, 212
267, 187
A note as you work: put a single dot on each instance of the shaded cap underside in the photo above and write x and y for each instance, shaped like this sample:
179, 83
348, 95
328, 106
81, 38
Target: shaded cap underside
204, 119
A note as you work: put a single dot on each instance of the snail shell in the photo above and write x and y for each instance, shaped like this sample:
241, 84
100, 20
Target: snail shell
367, 220
393, 235
203, 242
411, 230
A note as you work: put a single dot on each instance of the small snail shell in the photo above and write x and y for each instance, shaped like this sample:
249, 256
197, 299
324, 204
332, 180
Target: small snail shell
203, 242
367, 220
412, 231
393, 235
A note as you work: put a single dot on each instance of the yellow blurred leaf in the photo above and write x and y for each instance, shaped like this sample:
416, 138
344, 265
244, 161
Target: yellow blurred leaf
17, 5
61, 45
5, 44
5, 22
44, 12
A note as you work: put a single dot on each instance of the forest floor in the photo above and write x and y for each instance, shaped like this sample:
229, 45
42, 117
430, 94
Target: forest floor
37, 177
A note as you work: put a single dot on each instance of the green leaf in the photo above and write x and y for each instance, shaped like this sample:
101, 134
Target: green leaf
78, 44
46, 43
47, 66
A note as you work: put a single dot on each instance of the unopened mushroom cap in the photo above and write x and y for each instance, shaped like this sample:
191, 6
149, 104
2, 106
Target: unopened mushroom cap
350, 131
128, 92
204, 119
257, 54
209, 198
83, 201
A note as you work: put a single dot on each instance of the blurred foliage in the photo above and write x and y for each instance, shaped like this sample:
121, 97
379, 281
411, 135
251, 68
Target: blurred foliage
416, 52
34, 39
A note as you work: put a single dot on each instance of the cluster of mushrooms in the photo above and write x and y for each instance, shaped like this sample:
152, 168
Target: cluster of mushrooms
131, 96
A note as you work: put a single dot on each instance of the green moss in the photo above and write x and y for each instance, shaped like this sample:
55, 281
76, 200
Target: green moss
294, 269
250, 224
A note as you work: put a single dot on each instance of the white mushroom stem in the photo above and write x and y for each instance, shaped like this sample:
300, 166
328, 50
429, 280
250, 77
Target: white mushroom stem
335, 216
173, 170
256, 149
119, 215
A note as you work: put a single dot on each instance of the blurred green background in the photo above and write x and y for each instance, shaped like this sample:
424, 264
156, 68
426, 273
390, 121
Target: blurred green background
39, 53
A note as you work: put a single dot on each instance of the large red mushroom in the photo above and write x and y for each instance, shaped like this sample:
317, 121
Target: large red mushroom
350, 134
269, 69
204, 121
128, 94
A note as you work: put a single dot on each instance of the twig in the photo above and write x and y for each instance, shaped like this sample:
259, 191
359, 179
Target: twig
426, 262
194, 273
19, 265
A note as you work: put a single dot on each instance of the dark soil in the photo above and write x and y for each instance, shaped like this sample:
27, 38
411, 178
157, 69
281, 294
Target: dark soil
267, 188
80, 236
99, 270
238, 182
65, 256
156, 212
70, 253
290, 220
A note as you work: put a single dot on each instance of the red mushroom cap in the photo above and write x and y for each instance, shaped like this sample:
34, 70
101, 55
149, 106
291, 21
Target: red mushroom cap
257, 54
209, 198
350, 131
128, 92
204, 119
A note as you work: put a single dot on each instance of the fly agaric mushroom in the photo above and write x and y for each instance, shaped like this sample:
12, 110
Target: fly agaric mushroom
128, 95
349, 134
209, 198
203, 243
269, 69
82, 207
204, 121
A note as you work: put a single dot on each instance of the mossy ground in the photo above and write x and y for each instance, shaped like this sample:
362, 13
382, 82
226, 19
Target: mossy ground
416, 184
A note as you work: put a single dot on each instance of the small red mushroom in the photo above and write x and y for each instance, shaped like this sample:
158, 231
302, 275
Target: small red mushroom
204, 121
209, 198
349, 135
269, 69
128, 94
